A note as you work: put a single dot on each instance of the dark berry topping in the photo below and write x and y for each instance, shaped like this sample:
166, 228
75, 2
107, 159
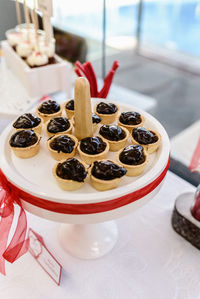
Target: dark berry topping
27, 121
70, 105
92, 145
112, 132
143, 136
58, 124
49, 107
107, 170
63, 144
23, 138
132, 155
106, 108
130, 118
71, 169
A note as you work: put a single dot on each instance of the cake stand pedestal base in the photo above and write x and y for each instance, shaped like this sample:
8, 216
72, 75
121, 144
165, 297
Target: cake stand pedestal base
88, 241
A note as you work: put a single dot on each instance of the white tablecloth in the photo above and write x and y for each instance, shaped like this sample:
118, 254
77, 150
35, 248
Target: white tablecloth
149, 261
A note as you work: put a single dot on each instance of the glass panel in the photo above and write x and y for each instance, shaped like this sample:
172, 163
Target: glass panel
172, 24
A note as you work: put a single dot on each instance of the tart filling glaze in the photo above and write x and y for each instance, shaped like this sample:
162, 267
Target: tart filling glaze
107, 170
96, 119
130, 118
106, 108
70, 105
132, 155
112, 132
144, 136
23, 138
92, 145
27, 121
71, 169
49, 107
62, 143
58, 124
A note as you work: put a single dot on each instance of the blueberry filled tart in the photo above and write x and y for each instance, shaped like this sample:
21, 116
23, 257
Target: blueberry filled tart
25, 143
62, 146
107, 111
49, 109
133, 158
69, 108
131, 120
93, 148
149, 139
106, 174
115, 135
58, 125
28, 121
70, 174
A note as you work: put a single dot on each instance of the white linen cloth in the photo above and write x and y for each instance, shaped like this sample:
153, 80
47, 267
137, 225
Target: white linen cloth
150, 260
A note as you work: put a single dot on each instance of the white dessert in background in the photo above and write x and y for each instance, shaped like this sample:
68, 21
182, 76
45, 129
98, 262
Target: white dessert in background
24, 49
48, 49
14, 37
37, 59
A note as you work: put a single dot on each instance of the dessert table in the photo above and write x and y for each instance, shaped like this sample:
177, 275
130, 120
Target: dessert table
149, 261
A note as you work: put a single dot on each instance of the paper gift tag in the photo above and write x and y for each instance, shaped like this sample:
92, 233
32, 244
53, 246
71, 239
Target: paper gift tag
45, 6
43, 256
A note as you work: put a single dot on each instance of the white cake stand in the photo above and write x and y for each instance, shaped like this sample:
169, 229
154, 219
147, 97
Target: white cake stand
87, 230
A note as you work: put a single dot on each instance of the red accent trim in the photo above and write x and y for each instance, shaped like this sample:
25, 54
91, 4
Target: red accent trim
195, 157
91, 208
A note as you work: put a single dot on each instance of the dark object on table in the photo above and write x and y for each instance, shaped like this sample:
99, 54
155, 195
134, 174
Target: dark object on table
183, 221
70, 46
181, 170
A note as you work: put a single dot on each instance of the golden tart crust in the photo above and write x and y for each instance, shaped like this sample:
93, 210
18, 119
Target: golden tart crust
103, 185
69, 113
60, 155
117, 145
152, 147
133, 170
47, 117
107, 118
89, 159
131, 127
68, 185
68, 131
29, 151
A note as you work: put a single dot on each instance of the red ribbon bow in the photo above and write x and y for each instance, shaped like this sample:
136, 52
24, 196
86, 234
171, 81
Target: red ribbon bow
87, 70
18, 245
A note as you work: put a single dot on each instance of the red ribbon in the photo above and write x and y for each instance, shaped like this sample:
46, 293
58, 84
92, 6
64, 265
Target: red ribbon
10, 195
195, 157
91, 208
18, 245
87, 70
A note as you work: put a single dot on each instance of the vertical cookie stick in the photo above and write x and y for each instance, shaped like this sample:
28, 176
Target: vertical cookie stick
83, 111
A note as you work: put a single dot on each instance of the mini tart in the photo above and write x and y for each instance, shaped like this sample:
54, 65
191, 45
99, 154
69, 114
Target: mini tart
90, 158
59, 154
67, 131
69, 184
130, 127
150, 147
116, 145
28, 121
107, 118
47, 115
102, 184
69, 112
25, 151
133, 169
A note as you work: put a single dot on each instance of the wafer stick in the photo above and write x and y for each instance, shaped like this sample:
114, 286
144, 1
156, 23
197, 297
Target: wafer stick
18, 12
83, 111
27, 19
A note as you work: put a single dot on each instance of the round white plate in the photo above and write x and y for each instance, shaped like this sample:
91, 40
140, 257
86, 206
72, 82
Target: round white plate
34, 175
